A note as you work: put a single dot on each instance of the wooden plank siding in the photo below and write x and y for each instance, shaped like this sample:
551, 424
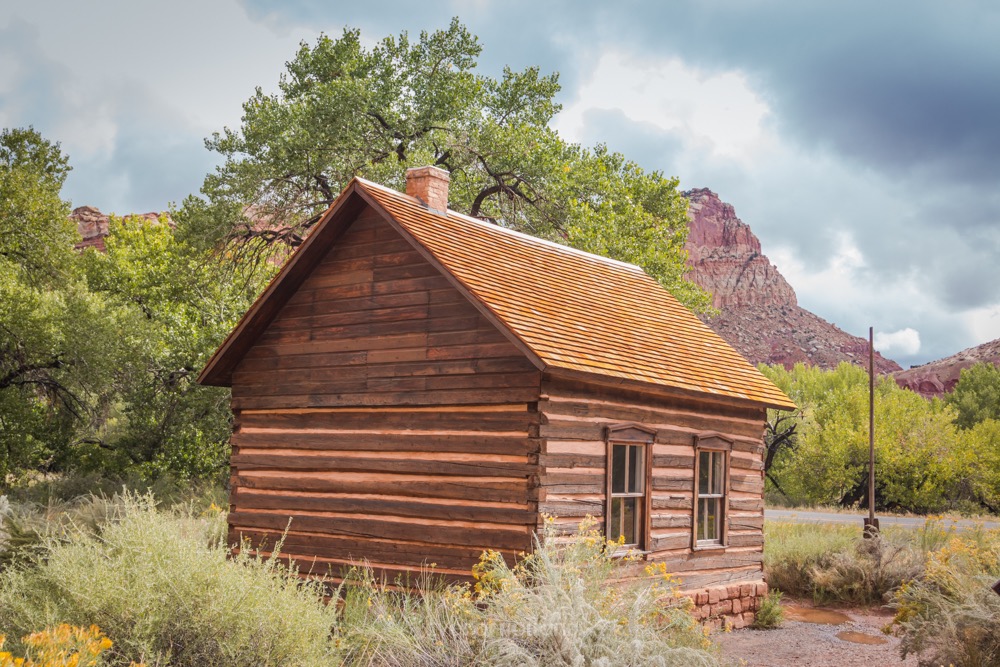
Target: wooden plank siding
572, 473
381, 417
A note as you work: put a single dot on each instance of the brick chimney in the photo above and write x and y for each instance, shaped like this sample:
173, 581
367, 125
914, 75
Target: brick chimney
430, 186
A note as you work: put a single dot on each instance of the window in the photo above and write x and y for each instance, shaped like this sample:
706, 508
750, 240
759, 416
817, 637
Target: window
627, 512
711, 489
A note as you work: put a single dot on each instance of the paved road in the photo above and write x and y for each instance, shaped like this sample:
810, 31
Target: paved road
802, 516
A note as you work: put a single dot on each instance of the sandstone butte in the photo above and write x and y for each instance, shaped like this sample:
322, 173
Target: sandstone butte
759, 313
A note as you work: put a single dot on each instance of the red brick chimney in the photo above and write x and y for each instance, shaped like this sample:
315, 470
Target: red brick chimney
430, 186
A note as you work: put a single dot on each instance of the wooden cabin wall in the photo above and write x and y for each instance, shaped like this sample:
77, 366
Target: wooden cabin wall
573, 468
386, 417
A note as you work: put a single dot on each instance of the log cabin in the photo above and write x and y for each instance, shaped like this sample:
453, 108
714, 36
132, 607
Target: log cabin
416, 386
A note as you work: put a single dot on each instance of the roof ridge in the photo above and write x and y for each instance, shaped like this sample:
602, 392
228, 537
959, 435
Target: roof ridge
513, 232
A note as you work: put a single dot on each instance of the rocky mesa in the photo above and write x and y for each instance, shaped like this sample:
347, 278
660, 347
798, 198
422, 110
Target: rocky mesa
940, 377
759, 313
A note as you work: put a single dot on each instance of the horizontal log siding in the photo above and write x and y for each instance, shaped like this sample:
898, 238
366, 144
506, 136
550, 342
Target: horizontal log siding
400, 488
376, 324
382, 418
572, 473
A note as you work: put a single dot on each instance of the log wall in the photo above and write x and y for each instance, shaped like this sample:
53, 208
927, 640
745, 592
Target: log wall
385, 417
573, 469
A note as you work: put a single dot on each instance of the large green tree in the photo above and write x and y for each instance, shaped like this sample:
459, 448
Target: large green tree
56, 339
343, 110
99, 351
976, 397
180, 304
923, 461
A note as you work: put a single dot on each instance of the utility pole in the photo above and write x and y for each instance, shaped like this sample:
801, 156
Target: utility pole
871, 523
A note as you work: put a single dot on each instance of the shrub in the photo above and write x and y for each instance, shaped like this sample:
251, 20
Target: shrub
62, 646
561, 605
770, 614
836, 564
951, 615
868, 573
163, 586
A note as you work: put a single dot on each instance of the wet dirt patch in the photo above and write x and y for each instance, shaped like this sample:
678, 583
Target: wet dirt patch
861, 638
801, 643
814, 615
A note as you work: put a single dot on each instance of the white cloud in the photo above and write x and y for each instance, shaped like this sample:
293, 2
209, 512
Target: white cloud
984, 322
719, 110
903, 342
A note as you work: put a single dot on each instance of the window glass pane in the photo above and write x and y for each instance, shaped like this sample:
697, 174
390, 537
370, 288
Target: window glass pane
718, 473
628, 520
704, 467
618, 468
634, 470
615, 523
709, 519
712, 527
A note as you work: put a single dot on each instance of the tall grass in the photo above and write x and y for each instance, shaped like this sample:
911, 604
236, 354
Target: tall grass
835, 564
794, 552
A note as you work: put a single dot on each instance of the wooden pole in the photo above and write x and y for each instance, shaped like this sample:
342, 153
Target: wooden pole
871, 523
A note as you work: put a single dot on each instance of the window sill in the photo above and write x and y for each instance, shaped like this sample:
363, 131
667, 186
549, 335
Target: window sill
625, 552
709, 547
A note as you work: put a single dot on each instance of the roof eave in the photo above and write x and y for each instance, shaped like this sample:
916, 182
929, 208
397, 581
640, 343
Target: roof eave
666, 390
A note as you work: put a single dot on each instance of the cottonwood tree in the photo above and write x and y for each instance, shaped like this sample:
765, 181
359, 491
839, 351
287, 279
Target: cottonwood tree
342, 110
923, 461
99, 351
976, 397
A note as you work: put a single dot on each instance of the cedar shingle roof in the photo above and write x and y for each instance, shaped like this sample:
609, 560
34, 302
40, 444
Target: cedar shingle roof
568, 310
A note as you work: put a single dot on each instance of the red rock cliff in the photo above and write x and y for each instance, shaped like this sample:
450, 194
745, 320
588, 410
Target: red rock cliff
940, 377
93, 225
759, 313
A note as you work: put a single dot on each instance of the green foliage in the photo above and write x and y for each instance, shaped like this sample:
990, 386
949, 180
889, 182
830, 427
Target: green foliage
56, 338
168, 592
182, 304
922, 461
769, 615
343, 110
976, 397
36, 236
99, 351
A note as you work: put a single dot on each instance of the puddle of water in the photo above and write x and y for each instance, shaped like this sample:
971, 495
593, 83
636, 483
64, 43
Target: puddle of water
860, 638
812, 615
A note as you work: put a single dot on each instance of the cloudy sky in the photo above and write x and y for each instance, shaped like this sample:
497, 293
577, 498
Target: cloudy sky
860, 140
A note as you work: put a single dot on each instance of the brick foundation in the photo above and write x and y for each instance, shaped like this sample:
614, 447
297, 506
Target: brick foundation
735, 604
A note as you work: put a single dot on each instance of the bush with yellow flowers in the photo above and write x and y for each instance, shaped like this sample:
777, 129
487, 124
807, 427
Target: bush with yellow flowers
576, 599
950, 615
61, 646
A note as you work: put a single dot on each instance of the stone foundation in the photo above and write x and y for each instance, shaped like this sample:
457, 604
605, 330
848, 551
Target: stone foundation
734, 604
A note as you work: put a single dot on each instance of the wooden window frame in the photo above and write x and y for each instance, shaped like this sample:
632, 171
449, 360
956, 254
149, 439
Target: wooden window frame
631, 435
716, 443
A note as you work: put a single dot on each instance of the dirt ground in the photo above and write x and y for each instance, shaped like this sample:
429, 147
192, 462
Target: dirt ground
809, 637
